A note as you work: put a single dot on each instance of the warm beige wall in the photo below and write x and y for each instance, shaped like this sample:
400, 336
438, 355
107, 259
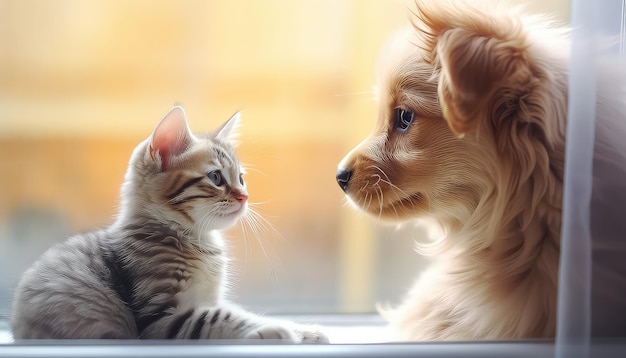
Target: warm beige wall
111, 67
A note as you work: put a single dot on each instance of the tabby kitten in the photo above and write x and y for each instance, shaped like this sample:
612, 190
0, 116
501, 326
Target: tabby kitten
159, 271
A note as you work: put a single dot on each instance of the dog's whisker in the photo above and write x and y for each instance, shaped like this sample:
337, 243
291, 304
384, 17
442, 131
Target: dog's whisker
395, 211
379, 193
377, 177
364, 187
399, 194
387, 181
382, 172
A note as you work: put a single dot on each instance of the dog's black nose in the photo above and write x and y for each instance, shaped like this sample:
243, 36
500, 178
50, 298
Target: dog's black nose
343, 178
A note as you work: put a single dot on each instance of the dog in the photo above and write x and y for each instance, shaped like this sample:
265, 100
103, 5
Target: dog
470, 140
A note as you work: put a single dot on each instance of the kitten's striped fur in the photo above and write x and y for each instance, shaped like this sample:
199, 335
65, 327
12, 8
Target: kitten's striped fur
160, 270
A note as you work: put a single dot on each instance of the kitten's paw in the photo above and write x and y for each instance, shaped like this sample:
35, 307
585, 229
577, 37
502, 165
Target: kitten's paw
273, 331
289, 333
311, 334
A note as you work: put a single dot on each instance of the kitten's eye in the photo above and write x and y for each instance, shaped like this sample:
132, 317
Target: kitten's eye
216, 177
241, 179
403, 119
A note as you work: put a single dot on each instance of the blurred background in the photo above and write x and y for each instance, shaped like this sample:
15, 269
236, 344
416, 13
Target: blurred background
83, 82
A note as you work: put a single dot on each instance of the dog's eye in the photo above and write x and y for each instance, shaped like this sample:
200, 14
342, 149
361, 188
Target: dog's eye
403, 119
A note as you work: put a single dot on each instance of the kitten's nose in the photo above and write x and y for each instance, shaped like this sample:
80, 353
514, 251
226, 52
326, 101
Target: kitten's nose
241, 197
343, 178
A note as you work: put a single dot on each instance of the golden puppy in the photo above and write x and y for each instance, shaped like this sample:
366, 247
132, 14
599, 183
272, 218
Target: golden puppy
471, 136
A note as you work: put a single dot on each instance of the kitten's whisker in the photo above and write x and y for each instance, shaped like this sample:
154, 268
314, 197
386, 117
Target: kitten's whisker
253, 169
250, 220
257, 204
207, 218
265, 223
265, 229
244, 232
201, 222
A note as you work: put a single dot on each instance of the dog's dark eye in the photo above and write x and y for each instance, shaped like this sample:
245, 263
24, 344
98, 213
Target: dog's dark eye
403, 119
216, 177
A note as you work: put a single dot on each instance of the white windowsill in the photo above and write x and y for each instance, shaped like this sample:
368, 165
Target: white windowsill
340, 329
350, 336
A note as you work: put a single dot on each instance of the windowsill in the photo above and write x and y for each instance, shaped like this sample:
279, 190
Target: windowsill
341, 329
350, 336
347, 328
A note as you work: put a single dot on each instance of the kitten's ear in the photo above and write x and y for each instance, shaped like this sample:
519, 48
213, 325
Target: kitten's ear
229, 131
170, 137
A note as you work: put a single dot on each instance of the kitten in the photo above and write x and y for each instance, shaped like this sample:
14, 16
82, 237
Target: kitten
160, 270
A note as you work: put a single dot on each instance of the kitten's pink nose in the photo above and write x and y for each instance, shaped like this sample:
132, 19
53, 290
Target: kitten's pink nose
241, 197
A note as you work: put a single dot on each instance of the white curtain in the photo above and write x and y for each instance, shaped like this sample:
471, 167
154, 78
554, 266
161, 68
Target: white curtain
592, 281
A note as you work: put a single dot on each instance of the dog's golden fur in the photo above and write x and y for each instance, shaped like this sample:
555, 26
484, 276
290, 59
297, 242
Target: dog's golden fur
483, 159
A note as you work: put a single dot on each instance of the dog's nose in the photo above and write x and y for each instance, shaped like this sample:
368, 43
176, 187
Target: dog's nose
343, 178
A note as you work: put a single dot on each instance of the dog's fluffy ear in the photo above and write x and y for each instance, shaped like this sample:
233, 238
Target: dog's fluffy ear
479, 56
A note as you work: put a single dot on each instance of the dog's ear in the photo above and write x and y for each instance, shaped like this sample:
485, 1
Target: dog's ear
475, 72
479, 57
